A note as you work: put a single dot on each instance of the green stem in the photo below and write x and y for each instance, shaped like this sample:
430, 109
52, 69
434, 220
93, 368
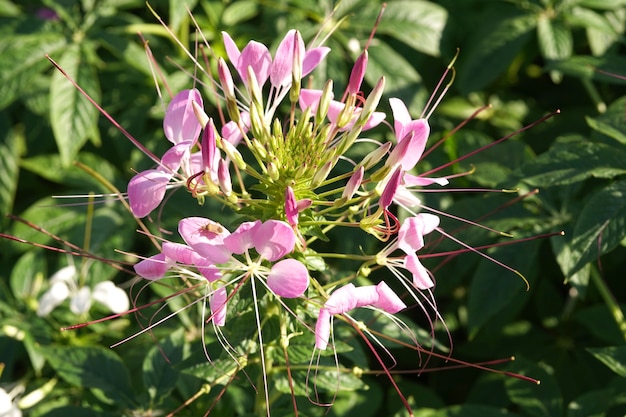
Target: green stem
609, 300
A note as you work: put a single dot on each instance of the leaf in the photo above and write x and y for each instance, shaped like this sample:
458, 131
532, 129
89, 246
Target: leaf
92, 367
159, 375
24, 275
611, 123
468, 410
590, 404
555, 40
496, 293
417, 23
400, 75
601, 225
614, 357
7, 9
239, 11
602, 4
589, 67
72, 116
21, 59
9, 165
535, 400
492, 49
569, 161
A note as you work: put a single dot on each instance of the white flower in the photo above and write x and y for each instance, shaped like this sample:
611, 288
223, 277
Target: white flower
64, 284
7, 407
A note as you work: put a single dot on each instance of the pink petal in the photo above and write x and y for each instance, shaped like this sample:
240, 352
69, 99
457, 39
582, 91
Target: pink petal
411, 180
309, 99
207, 269
387, 299
288, 278
231, 48
312, 58
342, 300
274, 239
180, 122
421, 278
401, 117
389, 191
375, 119
178, 252
210, 154
241, 239
217, 302
146, 191
322, 329
281, 70
365, 296
206, 237
174, 157
413, 229
358, 73
291, 207
258, 57
353, 183
152, 268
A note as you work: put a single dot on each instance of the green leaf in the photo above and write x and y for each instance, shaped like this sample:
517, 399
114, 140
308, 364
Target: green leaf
22, 57
92, 367
28, 269
496, 292
417, 23
614, 357
72, 116
9, 165
555, 40
590, 404
400, 76
611, 123
159, 375
589, 67
602, 4
492, 49
542, 400
601, 225
7, 9
239, 11
570, 161
468, 410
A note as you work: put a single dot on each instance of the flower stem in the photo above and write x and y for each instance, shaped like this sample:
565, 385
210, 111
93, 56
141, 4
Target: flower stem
609, 300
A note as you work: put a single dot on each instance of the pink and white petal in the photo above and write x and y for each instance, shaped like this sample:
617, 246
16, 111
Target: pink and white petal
273, 239
146, 191
406, 198
258, 57
342, 300
291, 207
231, 48
288, 278
206, 237
282, 66
411, 180
174, 157
388, 300
241, 239
217, 302
312, 58
152, 268
401, 117
430, 221
56, 294
180, 122
111, 296
375, 119
411, 234
207, 269
421, 277
365, 296
178, 252
322, 329
309, 99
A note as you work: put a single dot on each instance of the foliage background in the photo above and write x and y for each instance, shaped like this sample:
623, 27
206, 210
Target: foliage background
526, 58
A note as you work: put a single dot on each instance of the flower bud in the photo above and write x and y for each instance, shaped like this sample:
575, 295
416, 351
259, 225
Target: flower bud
358, 73
232, 153
324, 103
375, 156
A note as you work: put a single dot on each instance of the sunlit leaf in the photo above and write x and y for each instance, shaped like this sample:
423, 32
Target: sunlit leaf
92, 367
72, 116
417, 23
613, 357
601, 224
